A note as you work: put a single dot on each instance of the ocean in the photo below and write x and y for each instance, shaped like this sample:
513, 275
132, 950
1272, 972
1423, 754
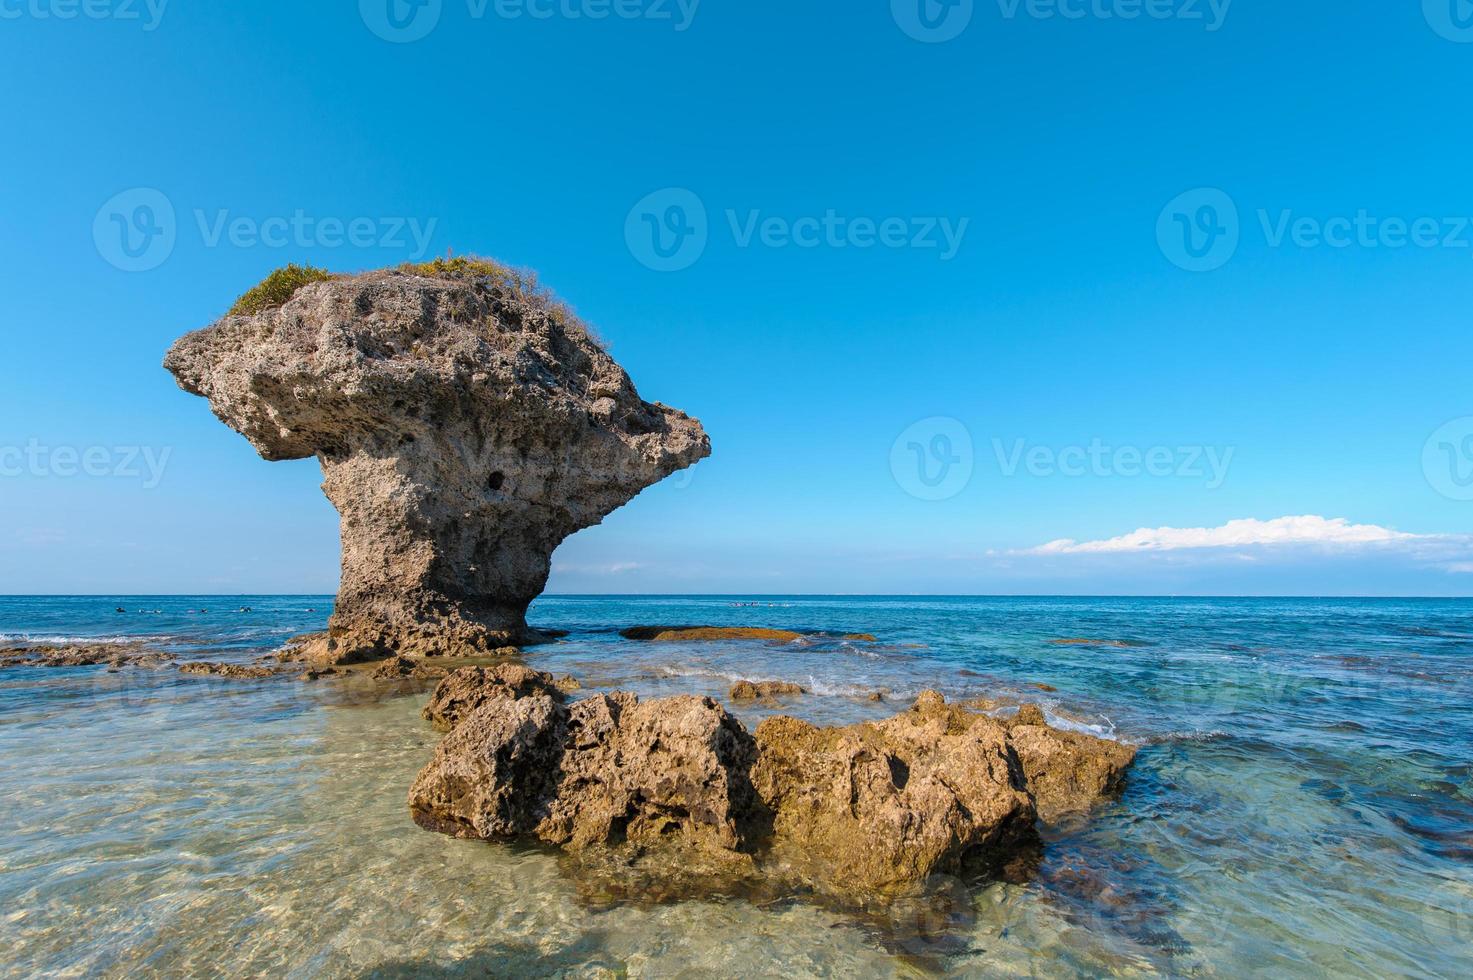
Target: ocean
1300, 806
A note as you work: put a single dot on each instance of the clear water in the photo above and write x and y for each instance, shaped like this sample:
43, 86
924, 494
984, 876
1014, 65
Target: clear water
1301, 805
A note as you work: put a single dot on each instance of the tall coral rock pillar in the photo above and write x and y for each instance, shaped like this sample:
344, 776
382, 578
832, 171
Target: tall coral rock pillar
465, 426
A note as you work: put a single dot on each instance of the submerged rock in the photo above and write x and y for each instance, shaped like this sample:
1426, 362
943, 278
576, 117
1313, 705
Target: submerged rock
677, 783
751, 690
669, 633
465, 424
81, 655
407, 668
236, 671
689, 633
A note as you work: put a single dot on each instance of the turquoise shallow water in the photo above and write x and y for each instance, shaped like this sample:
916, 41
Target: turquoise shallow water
1301, 804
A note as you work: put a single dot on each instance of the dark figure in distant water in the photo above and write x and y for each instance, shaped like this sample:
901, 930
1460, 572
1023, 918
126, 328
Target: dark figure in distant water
120, 609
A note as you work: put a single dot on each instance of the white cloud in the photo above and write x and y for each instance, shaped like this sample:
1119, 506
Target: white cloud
1308, 529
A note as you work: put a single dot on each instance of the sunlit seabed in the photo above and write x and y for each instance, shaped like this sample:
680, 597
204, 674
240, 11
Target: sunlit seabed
1301, 804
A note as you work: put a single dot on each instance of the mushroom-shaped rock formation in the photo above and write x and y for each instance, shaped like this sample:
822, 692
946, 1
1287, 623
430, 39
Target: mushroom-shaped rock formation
466, 423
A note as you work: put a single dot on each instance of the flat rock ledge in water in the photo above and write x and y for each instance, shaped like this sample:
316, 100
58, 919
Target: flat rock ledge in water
465, 425
81, 655
678, 784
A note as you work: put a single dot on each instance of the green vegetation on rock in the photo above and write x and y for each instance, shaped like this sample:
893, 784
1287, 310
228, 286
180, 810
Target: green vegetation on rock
278, 287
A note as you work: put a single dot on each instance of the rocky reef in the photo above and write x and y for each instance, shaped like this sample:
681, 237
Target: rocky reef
678, 783
81, 655
466, 423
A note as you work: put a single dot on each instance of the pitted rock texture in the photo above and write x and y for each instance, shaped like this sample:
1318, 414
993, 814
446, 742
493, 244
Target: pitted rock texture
464, 426
752, 690
872, 807
1068, 771
81, 655
466, 689
607, 770
677, 783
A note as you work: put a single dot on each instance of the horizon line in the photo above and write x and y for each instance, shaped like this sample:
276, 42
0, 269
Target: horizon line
775, 595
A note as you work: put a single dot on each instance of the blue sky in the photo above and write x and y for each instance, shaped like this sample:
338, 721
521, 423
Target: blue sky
967, 251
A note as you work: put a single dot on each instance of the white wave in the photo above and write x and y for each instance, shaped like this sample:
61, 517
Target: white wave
60, 639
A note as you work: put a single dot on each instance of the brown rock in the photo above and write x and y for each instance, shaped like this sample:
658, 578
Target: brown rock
407, 668
466, 689
1029, 714
872, 807
929, 701
234, 671
81, 655
607, 770
675, 788
465, 424
751, 690
860, 637
1068, 772
668, 633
